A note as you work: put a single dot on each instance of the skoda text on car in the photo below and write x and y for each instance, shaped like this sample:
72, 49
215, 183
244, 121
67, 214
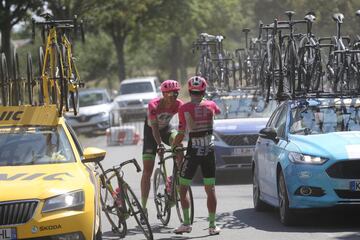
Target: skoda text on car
47, 190
308, 156
96, 112
236, 129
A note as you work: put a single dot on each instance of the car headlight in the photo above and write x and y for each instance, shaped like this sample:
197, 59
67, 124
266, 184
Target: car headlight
306, 159
74, 199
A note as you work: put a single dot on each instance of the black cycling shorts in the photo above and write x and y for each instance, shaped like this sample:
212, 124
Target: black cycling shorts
150, 145
192, 161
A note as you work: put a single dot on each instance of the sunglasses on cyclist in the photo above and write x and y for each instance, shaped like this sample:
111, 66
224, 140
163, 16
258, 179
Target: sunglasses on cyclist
197, 93
172, 94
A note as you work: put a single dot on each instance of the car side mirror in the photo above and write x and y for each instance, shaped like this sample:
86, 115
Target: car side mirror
269, 133
93, 154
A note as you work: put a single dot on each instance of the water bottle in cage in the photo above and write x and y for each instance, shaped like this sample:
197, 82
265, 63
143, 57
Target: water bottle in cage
168, 184
117, 197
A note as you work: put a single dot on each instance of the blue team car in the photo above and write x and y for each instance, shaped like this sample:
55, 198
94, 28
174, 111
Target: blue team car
308, 156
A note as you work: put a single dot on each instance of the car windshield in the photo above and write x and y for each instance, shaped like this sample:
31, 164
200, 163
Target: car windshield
244, 106
138, 87
325, 117
34, 145
91, 98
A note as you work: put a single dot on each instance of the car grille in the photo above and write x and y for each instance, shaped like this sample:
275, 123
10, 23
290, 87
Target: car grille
237, 159
347, 194
134, 103
16, 212
240, 140
345, 169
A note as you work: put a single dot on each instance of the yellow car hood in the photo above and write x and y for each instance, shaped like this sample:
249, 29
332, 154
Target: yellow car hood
41, 181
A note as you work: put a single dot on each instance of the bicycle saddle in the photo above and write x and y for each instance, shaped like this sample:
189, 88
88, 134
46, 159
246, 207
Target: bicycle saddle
358, 13
289, 14
246, 30
46, 15
310, 17
338, 17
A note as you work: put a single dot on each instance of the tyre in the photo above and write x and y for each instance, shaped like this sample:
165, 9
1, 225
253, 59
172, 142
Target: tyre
17, 93
74, 98
178, 203
259, 205
41, 65
4, 78
112, 212
137, 212
60, 83
286, 214
29, 79
161, 198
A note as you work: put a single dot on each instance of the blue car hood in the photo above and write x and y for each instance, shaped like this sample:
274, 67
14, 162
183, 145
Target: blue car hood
239, 125
336, 145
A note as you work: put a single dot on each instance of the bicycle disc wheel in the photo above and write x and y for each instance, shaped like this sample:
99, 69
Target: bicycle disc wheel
178, 203
30, 79
112, 212
137, 211
161, 198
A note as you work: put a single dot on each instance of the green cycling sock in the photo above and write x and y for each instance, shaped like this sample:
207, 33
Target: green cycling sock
211, 219
143, 202
186, 212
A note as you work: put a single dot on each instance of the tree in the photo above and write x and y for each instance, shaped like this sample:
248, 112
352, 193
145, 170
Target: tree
119, 18
11, 13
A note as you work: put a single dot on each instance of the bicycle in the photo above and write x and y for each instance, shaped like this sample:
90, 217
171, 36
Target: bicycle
166, 197
119, 202
58, 73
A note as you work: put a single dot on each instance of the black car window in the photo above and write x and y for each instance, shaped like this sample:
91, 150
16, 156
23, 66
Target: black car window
281, 122
274, 116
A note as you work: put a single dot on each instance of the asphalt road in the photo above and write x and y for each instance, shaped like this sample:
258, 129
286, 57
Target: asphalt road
236, 215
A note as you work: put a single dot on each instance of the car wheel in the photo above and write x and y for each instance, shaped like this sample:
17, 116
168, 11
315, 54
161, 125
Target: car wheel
259, 205
286, 214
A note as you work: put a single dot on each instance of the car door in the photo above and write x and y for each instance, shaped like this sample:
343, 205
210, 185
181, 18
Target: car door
261, 152
274, 151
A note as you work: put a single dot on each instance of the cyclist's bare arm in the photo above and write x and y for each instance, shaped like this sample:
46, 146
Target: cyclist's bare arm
178, 139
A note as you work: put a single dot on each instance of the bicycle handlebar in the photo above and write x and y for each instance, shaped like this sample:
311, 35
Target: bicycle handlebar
118, 167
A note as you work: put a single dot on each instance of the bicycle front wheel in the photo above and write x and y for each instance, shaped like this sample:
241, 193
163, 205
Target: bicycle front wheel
4, 76
112, 212
189, 195
161, 197
137, 211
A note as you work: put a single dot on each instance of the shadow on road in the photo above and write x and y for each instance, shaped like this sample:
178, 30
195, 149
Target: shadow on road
319, 220
229, 177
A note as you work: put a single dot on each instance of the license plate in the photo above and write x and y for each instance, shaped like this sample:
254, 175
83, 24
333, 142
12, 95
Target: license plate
355, 186
8, 234
243, 151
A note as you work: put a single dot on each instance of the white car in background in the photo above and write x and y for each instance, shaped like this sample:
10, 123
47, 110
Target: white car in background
97, 112
134, 96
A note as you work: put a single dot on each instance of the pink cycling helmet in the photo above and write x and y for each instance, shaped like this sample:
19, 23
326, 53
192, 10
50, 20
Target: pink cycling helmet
197, 84
169, 86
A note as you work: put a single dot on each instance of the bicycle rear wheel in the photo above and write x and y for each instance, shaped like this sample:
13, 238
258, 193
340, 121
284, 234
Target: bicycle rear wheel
137, 211
41, 65
4, 77
17, 93
161, 197
178, 203
112, 212
30, 79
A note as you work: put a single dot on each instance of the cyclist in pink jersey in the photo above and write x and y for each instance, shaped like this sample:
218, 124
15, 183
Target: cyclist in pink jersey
157, 129
196, 117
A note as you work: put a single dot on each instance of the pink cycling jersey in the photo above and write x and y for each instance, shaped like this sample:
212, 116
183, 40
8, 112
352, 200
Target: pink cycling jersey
161, 115
197, 117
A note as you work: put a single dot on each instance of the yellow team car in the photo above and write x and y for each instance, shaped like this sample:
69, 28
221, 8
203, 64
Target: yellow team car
48, 187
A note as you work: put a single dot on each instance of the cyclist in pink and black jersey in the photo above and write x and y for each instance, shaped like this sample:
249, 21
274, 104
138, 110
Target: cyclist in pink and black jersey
197, 118
157, 130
